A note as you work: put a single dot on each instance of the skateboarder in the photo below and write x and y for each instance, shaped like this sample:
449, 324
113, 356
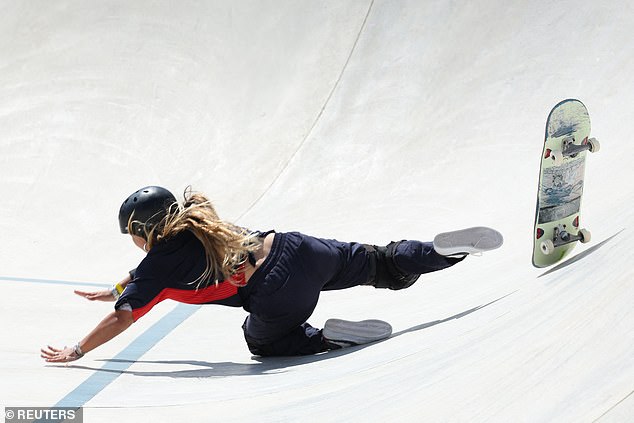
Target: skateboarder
197, 258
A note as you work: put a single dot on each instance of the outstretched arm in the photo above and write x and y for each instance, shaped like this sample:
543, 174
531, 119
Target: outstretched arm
105, 295
112, 325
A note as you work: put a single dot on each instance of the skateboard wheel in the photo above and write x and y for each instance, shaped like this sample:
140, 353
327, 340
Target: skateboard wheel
595, 145
585, 236
547, 246
557, 157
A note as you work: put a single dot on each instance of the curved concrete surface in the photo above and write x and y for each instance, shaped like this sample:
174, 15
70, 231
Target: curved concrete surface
360, 120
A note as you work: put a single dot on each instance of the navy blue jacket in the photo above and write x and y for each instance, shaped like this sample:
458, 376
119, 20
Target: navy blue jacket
170, 271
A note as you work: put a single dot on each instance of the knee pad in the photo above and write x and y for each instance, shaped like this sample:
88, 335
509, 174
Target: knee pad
384, 272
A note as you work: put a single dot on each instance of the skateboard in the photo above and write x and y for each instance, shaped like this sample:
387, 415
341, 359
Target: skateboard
557, 226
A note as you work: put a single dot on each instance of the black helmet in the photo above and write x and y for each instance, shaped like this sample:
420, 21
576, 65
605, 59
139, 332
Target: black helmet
149, 206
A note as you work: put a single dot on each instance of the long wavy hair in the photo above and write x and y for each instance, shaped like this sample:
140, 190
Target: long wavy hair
226, 245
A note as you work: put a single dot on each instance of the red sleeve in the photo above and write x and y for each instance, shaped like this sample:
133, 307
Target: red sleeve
208, 295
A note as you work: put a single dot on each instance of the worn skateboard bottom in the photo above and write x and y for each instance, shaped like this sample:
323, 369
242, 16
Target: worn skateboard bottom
561, 180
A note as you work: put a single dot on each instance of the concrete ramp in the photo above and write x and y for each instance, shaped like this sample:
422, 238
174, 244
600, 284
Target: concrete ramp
364, 121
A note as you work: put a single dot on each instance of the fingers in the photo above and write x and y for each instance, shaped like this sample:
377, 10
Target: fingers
93, 296
49, 353
88, 295
54, 359
52, 349
54, 355
57, 359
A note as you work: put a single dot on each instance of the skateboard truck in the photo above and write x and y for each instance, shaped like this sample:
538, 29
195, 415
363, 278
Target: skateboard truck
562, 237
570, 149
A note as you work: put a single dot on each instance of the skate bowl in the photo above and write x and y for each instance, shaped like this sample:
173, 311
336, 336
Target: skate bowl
365, 121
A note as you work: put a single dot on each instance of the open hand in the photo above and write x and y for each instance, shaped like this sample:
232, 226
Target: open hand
54, 355
96, 296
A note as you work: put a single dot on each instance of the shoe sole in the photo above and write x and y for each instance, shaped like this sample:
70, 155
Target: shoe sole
357, 333
468, 241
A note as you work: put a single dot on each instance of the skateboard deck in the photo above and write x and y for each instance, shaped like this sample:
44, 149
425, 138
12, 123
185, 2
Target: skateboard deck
557, 217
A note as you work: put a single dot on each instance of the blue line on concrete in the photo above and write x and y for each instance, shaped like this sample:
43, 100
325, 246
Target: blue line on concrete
112, 369
96, 382
53, 281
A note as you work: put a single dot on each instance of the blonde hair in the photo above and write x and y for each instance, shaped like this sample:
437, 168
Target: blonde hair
226, 245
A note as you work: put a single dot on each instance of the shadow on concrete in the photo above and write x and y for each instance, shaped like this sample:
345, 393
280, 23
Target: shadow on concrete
580, 255
262, 365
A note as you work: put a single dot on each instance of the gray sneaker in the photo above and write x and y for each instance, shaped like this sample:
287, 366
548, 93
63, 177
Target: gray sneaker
343, 333
468, 241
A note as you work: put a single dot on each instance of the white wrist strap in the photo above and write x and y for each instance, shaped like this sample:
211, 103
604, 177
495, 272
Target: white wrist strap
116, 291
78, 351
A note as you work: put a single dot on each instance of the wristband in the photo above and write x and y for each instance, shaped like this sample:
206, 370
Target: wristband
78, 352
116, 290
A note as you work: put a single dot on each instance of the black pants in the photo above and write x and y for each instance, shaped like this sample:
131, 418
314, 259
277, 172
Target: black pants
283, 292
